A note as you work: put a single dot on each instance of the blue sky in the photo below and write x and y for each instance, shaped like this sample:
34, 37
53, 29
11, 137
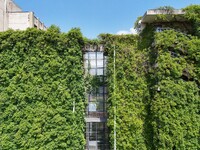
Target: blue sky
95, 16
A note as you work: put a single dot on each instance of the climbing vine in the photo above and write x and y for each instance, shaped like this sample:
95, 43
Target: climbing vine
42, 90
156, 92
175, 99
192, 13
130, 94
155, 89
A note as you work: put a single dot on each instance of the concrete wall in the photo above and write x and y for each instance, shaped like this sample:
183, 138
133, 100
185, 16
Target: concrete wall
1, 15
5, 7
38, 24
12, 17
1, 20
12, 7
19, 21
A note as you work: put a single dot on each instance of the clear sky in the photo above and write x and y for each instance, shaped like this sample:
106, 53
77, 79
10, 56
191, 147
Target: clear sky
95, 16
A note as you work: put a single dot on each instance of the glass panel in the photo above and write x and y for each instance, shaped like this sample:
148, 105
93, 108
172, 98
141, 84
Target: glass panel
105, 61
105, 96
92, 63
100, 125
96, 106
92, 106
105, 89
101, 146
99, 63
99, 106
99, 71
92, 55
99, 98
105, 71
100, 90
100, 136
92, 131
92, 137
97, 135
86, 64
99, 55
92, 98
92, 71
85, 56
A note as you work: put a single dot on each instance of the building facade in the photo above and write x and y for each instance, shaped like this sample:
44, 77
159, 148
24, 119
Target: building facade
95, 64
12, 17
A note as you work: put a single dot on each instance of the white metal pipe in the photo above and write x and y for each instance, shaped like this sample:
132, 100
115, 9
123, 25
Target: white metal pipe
73, 106
115, 139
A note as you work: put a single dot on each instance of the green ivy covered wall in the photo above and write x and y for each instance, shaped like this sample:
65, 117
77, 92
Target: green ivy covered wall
176, 81
130, 95
175, 101
155, 89
42, 99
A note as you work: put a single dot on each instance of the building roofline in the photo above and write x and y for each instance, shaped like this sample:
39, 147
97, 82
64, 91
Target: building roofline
151, 14
164, 11
19, 11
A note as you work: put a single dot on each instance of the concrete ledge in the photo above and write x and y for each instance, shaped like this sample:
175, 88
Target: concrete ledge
171, 15
95, 119
160, 11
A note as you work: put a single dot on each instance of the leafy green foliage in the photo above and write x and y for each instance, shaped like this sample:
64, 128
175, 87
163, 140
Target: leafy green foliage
175, 115
156, 84
136, 24
165, 10
41, 79
192, 13
168, 8
146, 38
130, 95
156, 91
179, 54
175, 100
